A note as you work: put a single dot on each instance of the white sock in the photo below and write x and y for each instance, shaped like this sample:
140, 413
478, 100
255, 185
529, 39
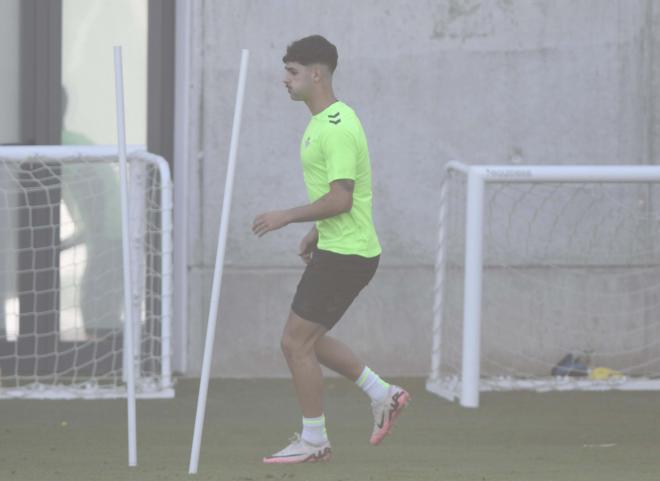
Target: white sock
372, 384
314, 430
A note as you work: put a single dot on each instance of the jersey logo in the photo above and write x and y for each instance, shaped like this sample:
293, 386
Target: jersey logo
334, 118
308, 140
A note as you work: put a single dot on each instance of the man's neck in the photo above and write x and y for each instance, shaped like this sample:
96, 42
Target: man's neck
321, 102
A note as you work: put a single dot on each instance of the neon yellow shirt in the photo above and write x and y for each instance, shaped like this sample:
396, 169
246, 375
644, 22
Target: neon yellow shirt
334, 147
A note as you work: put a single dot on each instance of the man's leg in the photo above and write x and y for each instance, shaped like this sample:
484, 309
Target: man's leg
387, 401
298, 342
336, 355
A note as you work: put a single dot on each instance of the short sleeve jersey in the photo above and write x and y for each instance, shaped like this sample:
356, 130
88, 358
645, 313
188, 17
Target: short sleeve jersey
334, 147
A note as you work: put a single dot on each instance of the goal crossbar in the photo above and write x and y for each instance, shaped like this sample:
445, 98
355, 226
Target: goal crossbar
558, 173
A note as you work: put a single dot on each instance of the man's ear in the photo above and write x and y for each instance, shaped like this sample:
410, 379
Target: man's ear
317, 75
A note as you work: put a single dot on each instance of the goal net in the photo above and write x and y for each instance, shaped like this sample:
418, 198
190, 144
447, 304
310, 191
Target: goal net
547, 278
61, 281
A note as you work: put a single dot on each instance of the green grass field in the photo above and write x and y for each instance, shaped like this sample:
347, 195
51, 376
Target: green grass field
511, 437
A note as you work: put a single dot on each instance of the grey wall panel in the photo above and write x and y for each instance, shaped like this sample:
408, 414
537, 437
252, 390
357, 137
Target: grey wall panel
486, 82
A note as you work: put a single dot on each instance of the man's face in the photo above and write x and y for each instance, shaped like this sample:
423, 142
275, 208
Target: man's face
298, 80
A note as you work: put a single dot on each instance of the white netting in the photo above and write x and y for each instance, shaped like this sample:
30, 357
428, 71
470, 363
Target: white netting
569, 269
61, 285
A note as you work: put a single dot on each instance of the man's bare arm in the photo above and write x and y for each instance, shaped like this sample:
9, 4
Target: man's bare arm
337, 201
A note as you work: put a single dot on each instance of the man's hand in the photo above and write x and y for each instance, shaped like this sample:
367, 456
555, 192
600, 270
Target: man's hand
307, 245
270, 221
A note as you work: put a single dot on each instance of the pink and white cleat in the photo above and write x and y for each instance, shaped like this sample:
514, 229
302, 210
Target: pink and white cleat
386, 411
300, 451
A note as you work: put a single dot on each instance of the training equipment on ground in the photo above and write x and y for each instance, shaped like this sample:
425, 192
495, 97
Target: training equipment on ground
535, 262
62, 313
570, 365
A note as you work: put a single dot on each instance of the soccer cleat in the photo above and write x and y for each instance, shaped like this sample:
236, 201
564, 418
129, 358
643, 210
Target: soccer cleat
300, 451
386, 411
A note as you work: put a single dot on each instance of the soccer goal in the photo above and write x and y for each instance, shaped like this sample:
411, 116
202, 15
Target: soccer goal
547, 278
62, 310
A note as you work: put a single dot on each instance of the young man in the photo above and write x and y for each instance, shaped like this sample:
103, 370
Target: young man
341, 252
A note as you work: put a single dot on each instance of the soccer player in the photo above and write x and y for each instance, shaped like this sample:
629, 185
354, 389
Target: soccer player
341, 252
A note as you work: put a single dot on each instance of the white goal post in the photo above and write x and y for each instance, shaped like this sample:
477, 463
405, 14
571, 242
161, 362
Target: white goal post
547, 278
61, 310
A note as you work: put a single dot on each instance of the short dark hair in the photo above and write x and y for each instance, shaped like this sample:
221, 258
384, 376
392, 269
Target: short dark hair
312, 49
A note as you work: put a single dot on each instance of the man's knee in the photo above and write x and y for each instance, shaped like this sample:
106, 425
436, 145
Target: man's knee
294, 345
299, 337
294, 349
288, 345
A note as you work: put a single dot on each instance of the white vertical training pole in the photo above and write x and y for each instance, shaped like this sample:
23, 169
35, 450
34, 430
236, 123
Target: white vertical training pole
128, 318
472, 291
219, 263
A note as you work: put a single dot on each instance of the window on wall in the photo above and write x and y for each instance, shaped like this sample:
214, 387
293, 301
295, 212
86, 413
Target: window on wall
10, 78
64, 48
90, 28
9, 134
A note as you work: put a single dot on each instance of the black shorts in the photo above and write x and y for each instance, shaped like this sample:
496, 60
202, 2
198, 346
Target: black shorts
329, 285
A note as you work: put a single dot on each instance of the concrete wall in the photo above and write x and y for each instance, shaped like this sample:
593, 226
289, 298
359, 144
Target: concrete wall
484, 81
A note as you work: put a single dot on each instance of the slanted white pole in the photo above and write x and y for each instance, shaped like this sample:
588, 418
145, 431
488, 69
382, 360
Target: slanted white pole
128, 317
217, 274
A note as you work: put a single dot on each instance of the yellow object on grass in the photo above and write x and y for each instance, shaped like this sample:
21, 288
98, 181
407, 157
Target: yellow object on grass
603, 373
